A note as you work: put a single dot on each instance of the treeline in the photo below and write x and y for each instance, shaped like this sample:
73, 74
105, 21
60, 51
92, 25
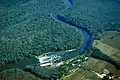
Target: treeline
17, 74
43, 72
96, 53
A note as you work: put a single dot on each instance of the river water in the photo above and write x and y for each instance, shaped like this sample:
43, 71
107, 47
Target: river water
85, 45
87, 41
86, 34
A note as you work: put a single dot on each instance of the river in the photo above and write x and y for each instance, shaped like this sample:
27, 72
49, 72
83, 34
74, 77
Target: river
85, 45
87, 39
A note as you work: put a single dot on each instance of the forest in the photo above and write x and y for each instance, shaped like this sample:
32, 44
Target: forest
95, 15
28, 30
17, 74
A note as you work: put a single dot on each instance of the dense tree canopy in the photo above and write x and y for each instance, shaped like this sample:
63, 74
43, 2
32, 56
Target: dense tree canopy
17, 74
95, 15
28, 29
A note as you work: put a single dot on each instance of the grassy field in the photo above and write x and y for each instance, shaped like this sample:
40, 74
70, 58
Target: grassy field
109, 50
27, 29
95, 15
112, 38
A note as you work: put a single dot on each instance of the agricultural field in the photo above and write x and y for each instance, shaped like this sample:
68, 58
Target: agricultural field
111, 38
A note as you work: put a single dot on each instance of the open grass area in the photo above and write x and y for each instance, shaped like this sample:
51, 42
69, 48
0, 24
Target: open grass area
27, 29
109, 50
95, 15
112, 38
